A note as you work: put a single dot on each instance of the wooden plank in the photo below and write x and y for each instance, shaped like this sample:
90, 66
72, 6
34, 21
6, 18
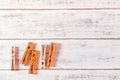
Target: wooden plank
71, 54
61, 75
59, 4
59, 24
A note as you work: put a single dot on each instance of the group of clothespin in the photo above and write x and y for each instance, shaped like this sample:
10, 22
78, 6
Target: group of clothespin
30, 57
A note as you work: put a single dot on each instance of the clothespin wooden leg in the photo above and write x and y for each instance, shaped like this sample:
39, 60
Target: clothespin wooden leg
43, 56
52, 50
33, 62
13, 58
27, 53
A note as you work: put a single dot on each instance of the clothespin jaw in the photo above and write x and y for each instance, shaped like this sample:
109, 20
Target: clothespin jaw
51, 53
27, 53
43, 56
13, 58
33, 62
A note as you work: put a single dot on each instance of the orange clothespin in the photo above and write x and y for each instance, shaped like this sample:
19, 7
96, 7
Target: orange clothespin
42, 56
51, 53
13, 58
27, 53
33, 62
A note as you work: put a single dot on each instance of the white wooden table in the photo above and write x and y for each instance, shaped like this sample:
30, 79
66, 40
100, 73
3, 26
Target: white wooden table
87, 33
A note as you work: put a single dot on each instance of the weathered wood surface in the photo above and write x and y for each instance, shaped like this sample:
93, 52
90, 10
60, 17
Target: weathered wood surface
41, 4
59, 24
66, 22
61, 75
70, 54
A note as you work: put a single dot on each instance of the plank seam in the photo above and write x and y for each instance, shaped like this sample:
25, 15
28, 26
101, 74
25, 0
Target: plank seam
68, 69
59, 8
59, 38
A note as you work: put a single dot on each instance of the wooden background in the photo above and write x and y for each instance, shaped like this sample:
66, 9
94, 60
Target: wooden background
87, 33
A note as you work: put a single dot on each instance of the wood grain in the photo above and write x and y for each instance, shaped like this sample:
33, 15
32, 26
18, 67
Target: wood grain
87, 34
59, 24
41, 4
62, 75
71, 54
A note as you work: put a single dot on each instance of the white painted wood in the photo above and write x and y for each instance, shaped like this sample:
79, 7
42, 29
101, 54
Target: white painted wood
61, 75
59, 4
71, 54
59, 24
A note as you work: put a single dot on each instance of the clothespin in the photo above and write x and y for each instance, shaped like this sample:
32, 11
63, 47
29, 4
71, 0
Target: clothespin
13, 58
51, 53
33, 62
42, 56
26, 53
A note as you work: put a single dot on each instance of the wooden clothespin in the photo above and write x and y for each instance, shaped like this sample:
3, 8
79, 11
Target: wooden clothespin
27, 53
51, 53
13, 58
33, 62
43, 56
